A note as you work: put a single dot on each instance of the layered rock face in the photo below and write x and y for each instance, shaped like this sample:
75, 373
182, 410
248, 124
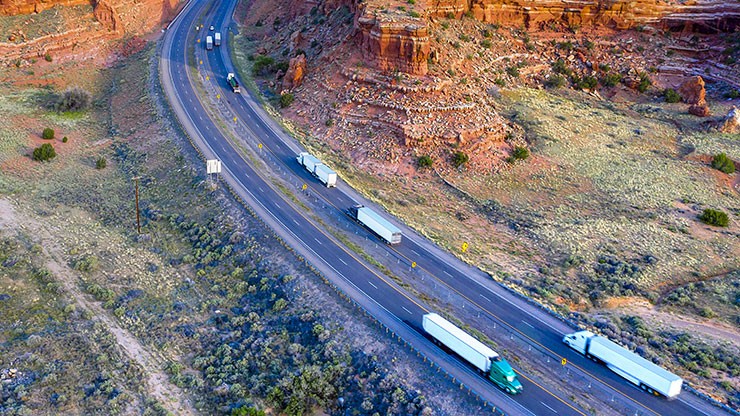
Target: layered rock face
395, 45
14, 7
707, 15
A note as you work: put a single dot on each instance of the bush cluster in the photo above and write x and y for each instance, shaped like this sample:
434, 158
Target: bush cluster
519, 153
723, 163
714, 217
286, 99
47, 134
73, 99
459, 159
425, 161
44, 152
671, 96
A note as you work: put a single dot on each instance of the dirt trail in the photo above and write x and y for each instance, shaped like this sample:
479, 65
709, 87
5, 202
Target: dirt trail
170, 396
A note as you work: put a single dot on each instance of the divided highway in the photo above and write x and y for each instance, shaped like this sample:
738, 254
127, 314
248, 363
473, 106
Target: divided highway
380, 296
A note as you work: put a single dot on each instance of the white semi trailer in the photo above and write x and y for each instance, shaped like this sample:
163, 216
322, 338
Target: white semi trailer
635, 369
217, 38
486, 360
312, 164
375, 223
209, 42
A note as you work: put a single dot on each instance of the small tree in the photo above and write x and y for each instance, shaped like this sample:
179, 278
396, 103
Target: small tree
101, 163
644, 82
44, 152
286, 99
519, 153
73, 99
723, 163
48, 134
714, 217
555, 81
459, 159
425, 161
671, 96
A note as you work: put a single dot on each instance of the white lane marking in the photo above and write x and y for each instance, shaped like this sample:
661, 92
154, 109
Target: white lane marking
276, 205
404, 308
416, 252
445, 272
296, 222
371, 284
345, 263
484, 297
261, 190
543, 403
317, 241
528, 324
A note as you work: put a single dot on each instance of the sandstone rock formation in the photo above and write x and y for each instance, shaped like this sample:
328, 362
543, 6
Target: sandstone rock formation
394, 45
731, 123
295, 73
692, 92
15, 7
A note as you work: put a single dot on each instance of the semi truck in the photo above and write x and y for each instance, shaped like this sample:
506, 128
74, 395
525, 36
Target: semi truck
217, 38
233, 83
209, 42
314, 166
483, 358
375, 223
637, 370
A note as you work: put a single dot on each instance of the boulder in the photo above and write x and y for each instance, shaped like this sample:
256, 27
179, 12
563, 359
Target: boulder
295, 73
731, 123
700, 110
692, 91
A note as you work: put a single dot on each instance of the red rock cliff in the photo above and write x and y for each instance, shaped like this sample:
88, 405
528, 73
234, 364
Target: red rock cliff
391, 45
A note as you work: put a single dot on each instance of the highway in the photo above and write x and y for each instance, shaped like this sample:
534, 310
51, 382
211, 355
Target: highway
377, 293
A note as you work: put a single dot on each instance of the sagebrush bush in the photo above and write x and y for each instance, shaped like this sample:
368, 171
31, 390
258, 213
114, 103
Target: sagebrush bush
519, 153
714, 217
73, 99
459, 159
47, 134
44, 152
723, 163
425, 161
101, 163
286, 100
671, 96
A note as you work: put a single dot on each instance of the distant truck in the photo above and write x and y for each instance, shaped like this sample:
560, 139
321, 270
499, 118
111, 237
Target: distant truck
209, 42
312, 164
486, 360
375, 223
637, 370
233, 83
217, 38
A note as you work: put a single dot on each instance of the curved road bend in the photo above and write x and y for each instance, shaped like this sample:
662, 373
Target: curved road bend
539, 328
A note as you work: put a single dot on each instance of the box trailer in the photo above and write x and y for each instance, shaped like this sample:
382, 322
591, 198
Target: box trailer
217, 38
483, 358
375, 223
312, 164
637, 370
209, 42
325, 175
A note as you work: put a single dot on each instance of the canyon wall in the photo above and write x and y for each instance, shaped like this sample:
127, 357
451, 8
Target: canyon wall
395, 45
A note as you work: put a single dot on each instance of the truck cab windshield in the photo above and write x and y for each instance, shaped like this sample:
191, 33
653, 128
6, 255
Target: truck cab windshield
496, 358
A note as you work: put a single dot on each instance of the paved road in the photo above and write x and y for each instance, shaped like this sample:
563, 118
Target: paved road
382, 297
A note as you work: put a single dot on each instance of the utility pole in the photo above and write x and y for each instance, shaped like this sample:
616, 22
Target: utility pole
138, 216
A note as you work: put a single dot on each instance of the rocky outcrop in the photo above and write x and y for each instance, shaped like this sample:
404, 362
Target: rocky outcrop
107, 16
705, 16
692, 92
394, 45
15, 7
731, 123
295, 73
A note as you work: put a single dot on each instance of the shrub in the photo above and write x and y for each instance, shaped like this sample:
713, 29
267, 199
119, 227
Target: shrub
714, 217
733, 94
65, 139
47, 134
671, 96
459, 159
445, 25
561, 67
73, 99
44, 152
286, 100
101, 163
500, 82
262, 65
611, 79
414, 13
555, 81
644, 82
486, 43
47, 57
425, 161
723, 163
586, 83
513, 71
519, 153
